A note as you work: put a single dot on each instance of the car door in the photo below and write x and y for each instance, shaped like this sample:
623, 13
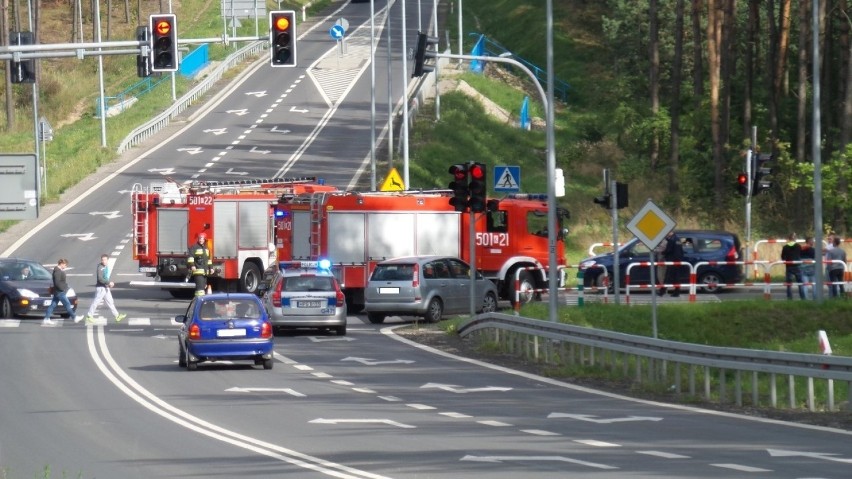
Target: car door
460, 289
635, 253
440, 282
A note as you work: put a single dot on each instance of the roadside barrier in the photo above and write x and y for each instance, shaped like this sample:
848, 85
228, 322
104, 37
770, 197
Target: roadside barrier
768, 284
562, 272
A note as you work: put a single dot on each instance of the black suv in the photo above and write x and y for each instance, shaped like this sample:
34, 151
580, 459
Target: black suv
698, 245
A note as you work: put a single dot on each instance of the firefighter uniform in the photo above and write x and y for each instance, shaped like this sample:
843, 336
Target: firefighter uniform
199, 263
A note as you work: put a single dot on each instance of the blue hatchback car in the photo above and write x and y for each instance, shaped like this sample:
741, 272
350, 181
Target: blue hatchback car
225, 326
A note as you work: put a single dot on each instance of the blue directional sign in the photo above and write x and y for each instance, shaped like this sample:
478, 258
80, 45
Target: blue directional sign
337, 32
507, 178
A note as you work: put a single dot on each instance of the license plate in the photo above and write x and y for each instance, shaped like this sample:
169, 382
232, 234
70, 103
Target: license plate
308, 304
147, 269
230, 333
47, 302
388, 290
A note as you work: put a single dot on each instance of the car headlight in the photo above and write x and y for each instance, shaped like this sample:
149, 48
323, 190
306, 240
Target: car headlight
27, 293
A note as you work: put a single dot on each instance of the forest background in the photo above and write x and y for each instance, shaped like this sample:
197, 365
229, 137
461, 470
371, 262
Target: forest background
664, 93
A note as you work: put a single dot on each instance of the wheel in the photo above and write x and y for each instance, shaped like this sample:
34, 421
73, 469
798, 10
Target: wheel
604, 281
267, 363
434, 311
6, 308
191, 365
181, 358
489, 304
250, 278
526, 287
710, 282
376, 318
341, 330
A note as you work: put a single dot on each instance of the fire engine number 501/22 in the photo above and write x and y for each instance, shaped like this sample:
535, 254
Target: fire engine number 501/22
492, 239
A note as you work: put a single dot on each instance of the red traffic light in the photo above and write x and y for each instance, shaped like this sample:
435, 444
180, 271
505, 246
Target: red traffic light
477, 171
742, 179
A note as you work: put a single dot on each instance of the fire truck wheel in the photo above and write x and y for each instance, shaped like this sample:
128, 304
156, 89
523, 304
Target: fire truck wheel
526, 288
376, 318
489, 304
434, 311
250, 279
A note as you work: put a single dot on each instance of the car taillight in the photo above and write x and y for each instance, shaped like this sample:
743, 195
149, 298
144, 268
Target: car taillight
416, 282
194, 332
732, 255
339, 296
276, 295
266, 330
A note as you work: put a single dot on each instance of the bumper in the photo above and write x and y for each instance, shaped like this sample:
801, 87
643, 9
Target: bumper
244, 349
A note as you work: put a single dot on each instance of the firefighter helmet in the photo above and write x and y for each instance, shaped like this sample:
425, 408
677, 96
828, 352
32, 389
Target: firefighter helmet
202, 236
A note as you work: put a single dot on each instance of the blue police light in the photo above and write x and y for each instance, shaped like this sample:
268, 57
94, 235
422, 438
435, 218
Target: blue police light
324, 264
280, 213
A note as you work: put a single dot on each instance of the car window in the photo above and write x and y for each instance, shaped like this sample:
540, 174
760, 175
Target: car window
459, 269
441, 269
710, 246
393, 272
537, 223
227, 309
497, 222
688, 245
307, 283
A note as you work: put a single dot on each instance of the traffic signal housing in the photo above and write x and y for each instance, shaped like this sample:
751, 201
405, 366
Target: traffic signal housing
760, 171
22, 71
478, 187
282, 38
143, 60
459, 186
422, 53
742, 184
164, 42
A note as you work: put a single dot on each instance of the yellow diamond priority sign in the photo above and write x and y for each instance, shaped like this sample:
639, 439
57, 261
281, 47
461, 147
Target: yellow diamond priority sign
651, 225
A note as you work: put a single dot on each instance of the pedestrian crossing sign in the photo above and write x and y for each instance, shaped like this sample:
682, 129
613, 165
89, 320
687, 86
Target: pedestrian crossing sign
393, 182
507, 178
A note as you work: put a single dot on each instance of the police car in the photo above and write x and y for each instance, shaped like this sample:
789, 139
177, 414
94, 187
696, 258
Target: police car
305, 294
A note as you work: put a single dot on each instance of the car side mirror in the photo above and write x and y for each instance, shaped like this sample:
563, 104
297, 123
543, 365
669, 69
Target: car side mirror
181, 318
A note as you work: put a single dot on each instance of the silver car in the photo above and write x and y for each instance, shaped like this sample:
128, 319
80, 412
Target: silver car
426, 286
305, 294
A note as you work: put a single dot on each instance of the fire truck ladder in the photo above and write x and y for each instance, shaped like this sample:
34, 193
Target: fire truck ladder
139, 210
317, 205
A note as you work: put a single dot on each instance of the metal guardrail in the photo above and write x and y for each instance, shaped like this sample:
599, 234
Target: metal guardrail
659, 362
162, 120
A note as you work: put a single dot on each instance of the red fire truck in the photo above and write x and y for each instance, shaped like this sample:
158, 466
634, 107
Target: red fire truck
235, 215
355, 230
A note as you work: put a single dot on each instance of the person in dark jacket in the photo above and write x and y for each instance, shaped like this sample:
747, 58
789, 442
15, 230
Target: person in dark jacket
60, 291
199, 262
791, 254
673, 252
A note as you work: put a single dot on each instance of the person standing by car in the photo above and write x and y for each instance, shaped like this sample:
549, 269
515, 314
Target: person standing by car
60, 288
673, 252
836, 257
198, 262
660, 257
808, 269
791, 254
103, 292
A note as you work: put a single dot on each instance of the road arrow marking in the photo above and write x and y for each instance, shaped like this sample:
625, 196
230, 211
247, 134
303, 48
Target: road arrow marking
373, 362
536, 458
453, 388
825, 456
258, 94
266, 390
192, 151
162, 171
298, 110
80, 236
361, 421
232, 172
319, 339
216, 131
106, 214
255, 150
276, 130
593, 418
238, 112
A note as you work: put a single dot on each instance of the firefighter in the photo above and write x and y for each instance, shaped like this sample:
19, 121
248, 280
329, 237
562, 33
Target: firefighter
199, 262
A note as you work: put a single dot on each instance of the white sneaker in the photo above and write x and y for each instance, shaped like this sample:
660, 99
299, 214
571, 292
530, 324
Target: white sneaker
77, 318
48, 322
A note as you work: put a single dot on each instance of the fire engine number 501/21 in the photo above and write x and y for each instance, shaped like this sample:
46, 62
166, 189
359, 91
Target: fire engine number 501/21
492, 239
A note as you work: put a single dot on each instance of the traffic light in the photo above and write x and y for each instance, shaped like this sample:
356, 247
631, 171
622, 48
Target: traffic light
603, 200
164, 42
143, 60
422, 53
621, 195
282, 38
459, 186
742, 184
759, 172
24, 70
478, 187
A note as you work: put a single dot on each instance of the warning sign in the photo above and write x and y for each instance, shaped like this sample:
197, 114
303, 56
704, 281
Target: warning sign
393, 182
507, 178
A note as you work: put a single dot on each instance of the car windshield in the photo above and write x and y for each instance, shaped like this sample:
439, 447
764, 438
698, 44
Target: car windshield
24, 271
228, 309
307, 283
394, 272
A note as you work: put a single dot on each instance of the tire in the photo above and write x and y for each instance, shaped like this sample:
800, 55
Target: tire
181, 358
267, 363
599, 283
341, 330
527, 285
191, 365
434, 310
489, 303
182, 293
250, 278
6, 308
376, 318
708, 278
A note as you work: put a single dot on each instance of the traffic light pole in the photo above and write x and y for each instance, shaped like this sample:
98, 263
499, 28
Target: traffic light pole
472, 245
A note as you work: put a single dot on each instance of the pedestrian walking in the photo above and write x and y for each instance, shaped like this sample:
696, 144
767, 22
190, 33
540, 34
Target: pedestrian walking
103, 292
808, 269
836, 258
791, 254
60, 291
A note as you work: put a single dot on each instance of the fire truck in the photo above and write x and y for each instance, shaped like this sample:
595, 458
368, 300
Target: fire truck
356, 230
236, 217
